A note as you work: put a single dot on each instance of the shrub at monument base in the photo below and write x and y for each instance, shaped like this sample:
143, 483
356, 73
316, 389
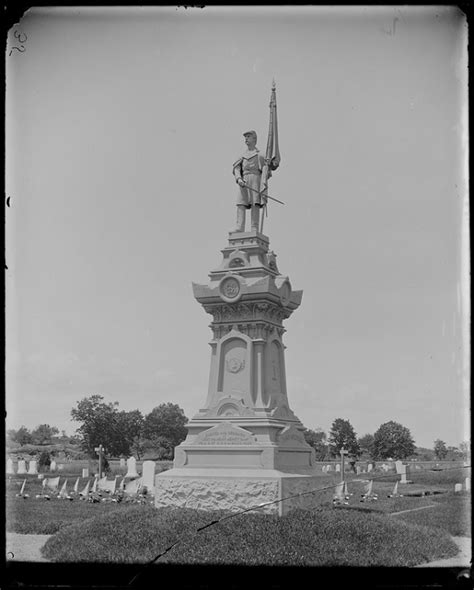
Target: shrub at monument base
324, 537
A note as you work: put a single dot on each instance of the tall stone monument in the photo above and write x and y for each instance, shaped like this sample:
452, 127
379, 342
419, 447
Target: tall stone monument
245, 446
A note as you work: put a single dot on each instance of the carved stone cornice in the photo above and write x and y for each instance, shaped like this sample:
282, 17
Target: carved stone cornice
244, 312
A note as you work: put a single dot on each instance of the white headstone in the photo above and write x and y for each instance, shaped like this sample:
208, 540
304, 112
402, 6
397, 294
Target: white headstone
52, 467
61, 467
10, 469
358, 469
131, 467
40, 475
122, 463
398, 466
21, 466
148, 475
85, 472
403, 473
329, 468
323, 468
458, 487
369, 467
468, 484
338, 468
32, 469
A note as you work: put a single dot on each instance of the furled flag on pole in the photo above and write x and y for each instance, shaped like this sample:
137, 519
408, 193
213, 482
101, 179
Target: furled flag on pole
272, 155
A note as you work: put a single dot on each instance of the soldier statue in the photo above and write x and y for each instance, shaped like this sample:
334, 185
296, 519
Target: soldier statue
248, 172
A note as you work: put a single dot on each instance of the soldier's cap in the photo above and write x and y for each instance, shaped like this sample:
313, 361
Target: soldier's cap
254, 133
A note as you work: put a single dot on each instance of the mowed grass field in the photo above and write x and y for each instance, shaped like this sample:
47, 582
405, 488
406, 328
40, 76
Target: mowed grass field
402, 521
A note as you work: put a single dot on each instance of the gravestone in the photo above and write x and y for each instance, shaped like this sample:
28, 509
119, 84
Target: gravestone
458, 487
10, 468
40, 475
329, 468
403, 473
52, 466
131, 467
338, 468
61, 467
358, 470
148, 475
122, 463
85, 472
323, 468
369, 467
468, 484
21, 467
399, 467
32, 469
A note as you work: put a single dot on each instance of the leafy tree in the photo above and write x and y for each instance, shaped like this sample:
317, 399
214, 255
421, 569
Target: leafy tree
99, 425
454, 454
392, 440
158, 447
341, 435
166, 421
366, 444
43, 434
465, 449
119, 432
131, 427
22, 436
317, 439
424, 454
44, 459
440, 449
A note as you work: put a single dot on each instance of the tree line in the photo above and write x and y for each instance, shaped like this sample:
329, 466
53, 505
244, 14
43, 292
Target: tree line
391, 441
121, 433
125, 433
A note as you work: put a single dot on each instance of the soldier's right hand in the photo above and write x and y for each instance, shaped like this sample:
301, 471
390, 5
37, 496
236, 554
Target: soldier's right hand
240, 182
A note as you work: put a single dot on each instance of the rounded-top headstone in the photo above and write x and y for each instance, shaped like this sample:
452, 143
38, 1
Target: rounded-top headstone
131, 467
148, 475
10, 468
32, 468
21, 466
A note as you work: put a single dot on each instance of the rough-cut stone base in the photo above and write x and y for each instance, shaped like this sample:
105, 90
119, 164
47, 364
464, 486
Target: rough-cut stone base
235, 490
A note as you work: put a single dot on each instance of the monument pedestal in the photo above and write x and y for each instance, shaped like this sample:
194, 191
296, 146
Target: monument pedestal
245, 446
236, 489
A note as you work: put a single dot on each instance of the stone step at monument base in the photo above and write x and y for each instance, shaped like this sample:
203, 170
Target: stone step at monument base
237, 490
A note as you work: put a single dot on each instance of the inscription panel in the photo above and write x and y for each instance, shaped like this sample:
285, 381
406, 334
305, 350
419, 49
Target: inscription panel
225, 434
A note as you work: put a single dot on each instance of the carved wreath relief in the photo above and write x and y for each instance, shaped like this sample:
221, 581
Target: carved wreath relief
229, 289
234, 365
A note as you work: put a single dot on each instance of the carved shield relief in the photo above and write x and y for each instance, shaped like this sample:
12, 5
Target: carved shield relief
233, 371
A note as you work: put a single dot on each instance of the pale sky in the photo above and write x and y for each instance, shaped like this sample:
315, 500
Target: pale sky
122, 127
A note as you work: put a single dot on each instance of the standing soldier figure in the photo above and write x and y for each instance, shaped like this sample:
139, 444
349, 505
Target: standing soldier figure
252, 172
248, 172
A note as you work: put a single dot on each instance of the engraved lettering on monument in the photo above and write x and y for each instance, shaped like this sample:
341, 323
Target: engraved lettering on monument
225, 434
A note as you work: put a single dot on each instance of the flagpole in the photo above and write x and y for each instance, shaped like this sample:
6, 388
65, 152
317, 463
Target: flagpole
272, 152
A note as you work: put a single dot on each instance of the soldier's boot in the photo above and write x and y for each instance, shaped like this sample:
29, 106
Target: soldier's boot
240, 225
255, 218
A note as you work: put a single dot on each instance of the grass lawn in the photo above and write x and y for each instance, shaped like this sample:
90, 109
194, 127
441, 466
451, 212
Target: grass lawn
358, 534
324, 537
452, 514
39, 516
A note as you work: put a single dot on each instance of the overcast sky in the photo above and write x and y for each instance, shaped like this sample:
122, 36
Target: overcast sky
122, 127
